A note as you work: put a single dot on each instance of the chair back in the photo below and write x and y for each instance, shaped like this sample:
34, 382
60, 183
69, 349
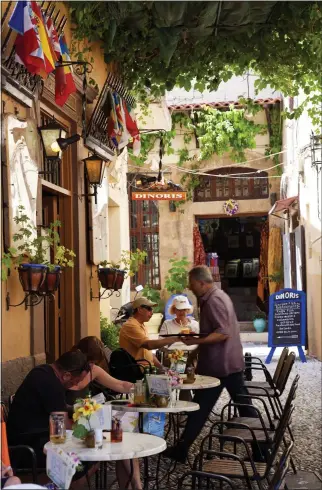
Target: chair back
281, 468
4, 441
280, 364
292, 393
280, 432
123, 366
285, 372
224, 481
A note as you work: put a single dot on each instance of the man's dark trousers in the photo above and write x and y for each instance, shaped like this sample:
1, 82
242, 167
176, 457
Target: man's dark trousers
207, 398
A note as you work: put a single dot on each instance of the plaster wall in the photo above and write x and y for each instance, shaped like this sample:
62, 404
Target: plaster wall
304, 180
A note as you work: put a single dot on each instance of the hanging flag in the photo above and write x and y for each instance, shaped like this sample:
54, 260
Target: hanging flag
112, 127
132, 127
64, 81
54, 40
32, 44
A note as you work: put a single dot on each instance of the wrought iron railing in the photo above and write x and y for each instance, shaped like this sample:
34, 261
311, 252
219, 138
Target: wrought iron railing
97, 137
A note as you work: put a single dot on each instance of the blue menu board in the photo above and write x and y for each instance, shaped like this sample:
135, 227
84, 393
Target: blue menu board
287, 321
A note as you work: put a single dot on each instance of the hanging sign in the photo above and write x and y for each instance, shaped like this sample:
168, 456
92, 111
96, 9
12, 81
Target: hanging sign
159, 196
287, 321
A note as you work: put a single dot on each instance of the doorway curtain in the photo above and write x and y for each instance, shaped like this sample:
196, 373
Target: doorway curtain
262, 287
199, 255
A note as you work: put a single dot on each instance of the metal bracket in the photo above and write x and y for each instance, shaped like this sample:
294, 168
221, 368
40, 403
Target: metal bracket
101, 295
35, 299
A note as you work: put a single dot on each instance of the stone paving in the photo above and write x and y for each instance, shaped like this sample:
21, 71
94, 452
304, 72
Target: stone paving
306, 424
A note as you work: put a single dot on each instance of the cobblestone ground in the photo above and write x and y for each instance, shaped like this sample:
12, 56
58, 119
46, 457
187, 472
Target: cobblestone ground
306, 425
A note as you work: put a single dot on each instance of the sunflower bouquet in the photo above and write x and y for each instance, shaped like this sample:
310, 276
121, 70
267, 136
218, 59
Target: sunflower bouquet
84, 409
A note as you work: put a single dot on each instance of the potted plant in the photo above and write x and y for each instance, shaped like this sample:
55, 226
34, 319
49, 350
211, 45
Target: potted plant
84, 409
31, 256
113, 274
259, 321
63, 258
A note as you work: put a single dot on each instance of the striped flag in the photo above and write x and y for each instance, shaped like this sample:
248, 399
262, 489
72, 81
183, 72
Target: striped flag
33, 49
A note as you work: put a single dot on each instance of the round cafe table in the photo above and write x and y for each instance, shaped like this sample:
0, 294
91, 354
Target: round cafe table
201, 383
134, 445
176, 407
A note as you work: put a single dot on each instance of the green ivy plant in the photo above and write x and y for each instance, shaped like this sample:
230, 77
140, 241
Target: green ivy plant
34, 246
176, 280
109, 333
159, 45
154, 296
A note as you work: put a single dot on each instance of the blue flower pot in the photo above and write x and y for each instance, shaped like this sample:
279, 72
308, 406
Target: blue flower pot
259, 325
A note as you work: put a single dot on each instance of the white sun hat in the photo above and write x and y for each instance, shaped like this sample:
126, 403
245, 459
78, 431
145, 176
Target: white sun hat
180, 303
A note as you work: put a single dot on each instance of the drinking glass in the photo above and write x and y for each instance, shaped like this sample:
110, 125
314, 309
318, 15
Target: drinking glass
57, 427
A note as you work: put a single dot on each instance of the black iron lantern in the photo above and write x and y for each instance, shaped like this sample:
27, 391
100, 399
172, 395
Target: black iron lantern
49, 134
94, 169
316, 150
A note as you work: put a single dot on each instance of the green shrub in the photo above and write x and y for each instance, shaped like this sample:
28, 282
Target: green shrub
109, 333
154, 296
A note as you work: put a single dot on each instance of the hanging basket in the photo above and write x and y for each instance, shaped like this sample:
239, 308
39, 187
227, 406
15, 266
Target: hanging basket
32, 277
119, 280
107, 277
231, 207
52, 281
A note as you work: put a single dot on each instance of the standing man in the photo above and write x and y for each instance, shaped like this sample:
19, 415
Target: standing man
220, 356
133, 335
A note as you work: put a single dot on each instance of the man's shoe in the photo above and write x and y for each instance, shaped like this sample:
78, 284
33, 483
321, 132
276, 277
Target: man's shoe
177, 453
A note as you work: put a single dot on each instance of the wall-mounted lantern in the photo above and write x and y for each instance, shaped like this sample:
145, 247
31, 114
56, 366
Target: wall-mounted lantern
49, 134
94, 169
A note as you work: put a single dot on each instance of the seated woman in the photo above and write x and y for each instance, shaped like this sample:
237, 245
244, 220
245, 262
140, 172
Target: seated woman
181, 323
96, 380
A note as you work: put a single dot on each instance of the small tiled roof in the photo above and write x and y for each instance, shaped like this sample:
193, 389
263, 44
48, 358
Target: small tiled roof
220, 105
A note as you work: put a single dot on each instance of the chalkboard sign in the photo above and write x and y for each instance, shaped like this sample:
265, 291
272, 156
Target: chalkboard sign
287, 321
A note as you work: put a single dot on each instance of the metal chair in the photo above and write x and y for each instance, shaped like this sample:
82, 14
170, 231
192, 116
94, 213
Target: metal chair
123, 366
271, 381
236, 467
274, 393
224, 481
19, 449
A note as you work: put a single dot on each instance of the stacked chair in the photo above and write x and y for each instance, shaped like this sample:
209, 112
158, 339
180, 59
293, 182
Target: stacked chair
267, 436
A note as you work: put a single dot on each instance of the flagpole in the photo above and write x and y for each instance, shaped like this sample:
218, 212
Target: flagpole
84, 67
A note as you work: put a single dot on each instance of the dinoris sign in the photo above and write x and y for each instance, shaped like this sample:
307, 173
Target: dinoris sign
159, 196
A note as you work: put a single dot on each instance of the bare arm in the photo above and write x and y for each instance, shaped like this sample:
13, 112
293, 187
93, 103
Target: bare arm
156, 362
212, 338
101, 376
156, 344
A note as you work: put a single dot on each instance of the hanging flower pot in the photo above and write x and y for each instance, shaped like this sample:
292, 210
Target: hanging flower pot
119, 280
52, 281
32, 276
107, 277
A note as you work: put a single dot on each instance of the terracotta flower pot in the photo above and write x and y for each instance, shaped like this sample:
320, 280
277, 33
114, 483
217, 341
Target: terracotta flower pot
119, 280
32, 276
107, 277
52, 281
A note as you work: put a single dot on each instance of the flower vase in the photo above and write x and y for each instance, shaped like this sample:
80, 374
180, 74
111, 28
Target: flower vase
90, 439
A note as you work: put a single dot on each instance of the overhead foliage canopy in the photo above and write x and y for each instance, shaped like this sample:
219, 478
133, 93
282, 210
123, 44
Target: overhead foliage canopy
158, 45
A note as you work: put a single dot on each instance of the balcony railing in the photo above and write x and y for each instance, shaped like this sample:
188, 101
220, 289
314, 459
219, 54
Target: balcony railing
97, 132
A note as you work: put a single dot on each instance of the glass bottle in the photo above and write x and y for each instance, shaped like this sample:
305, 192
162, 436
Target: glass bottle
147, 392
154, 370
